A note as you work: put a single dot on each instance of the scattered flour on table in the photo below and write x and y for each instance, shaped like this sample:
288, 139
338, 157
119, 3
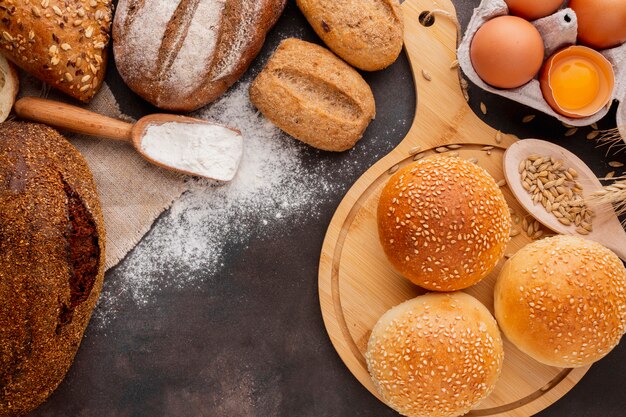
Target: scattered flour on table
272, 185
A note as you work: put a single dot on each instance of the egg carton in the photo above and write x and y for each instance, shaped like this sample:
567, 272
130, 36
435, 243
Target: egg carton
557, 30
621, 120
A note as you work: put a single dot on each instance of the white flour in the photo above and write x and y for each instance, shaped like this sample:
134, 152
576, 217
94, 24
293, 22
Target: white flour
208, 150
270, 186
274, 186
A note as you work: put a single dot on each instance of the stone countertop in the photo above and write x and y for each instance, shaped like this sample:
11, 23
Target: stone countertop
251, 341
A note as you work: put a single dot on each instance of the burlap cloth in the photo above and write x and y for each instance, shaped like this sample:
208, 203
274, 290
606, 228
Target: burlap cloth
133, 192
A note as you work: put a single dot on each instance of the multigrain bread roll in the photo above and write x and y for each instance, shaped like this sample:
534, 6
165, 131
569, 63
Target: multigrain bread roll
63, 43
314, 96
443, 223
562, 301
182, 55
367, 34
438, 355
51, 261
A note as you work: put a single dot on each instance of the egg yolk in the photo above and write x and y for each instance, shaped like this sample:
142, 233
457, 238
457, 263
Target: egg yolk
575, 83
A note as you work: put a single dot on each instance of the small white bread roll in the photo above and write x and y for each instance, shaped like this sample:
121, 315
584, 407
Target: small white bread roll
9, 86
562, 301
437, 355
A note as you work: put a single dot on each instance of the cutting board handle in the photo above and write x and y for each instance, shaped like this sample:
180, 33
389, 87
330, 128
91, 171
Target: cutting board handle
443, 114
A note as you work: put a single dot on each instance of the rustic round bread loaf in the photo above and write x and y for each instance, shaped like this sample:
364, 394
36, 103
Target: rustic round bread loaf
183, 55
562, 301
443, 223
366, 34
51, 261
314, 96
438, 355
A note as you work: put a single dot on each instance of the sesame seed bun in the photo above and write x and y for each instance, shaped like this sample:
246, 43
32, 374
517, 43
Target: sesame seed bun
443, 223
562, 301
437, 355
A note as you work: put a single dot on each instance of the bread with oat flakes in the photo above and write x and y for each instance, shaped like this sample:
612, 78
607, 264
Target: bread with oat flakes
60, 42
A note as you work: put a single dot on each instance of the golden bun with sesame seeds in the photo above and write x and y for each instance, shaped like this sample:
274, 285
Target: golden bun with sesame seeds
443, 223
562, 301
60, 42
437, 355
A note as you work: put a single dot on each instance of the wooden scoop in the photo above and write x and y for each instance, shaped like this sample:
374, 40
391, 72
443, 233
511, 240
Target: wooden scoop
607, 228
78, 120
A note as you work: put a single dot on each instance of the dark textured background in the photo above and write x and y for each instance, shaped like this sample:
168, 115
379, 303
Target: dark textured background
252, 343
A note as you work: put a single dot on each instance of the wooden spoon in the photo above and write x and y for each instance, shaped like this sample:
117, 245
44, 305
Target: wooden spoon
607, 228
78, 120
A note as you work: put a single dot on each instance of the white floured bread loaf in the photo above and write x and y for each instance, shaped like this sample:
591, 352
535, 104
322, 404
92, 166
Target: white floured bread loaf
182, 55
562, 301
437, 355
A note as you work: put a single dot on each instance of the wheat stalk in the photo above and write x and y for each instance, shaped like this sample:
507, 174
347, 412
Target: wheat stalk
613, 139
614, 194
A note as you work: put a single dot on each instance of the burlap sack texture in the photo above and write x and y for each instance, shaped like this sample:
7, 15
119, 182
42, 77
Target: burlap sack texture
132, 191
558, 30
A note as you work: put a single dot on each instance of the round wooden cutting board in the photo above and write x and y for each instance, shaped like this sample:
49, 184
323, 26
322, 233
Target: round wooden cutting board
357, 285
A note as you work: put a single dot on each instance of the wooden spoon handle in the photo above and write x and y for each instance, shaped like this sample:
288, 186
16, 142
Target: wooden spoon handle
72, 118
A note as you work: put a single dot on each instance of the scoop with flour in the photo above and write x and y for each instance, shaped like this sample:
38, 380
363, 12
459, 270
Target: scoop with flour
182, 144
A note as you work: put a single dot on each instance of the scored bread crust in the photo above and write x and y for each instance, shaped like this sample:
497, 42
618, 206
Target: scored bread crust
314, 96
562, 301
62, 43
443, 223
183, 55
368, 35
437, 355
51, 261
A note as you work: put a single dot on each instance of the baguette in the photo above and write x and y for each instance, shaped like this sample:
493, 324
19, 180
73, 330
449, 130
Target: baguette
181, 56
51, 261
314, 96
60, 42
366, 34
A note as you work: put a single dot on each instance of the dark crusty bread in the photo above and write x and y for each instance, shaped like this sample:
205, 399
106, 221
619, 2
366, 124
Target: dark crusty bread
61, 42
314, 96
51, 261
367, 34
182, 55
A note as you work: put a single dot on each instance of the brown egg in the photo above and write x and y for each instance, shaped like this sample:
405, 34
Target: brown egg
577, 81
533, 9
601, 23
507, 52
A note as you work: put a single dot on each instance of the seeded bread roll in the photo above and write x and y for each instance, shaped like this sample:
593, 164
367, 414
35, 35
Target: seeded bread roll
51, 261
314, 96
443, 223
182, 55
562, 301
60, 42
367, 34
438, 355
